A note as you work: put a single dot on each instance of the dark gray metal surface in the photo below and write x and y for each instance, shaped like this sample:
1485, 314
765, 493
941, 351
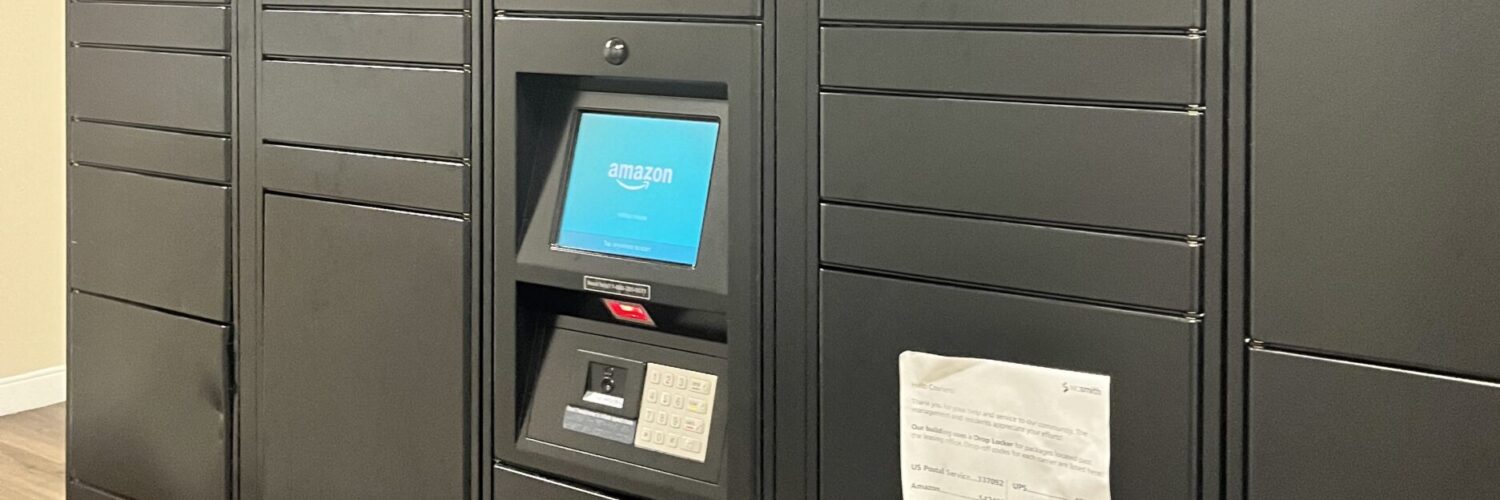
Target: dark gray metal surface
185, 91
176, 26
1109, 167
414, 37
868, 322
511, 483
1161, 69
393, 180
151, 240
376, 4
146, 401
80, 491
1126, 13
735, 8
1375, 220
1331, 430
363, 353
1140, 271
405, 110
171, 153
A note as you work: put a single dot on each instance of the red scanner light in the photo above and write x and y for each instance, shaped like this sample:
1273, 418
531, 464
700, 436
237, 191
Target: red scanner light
629, 312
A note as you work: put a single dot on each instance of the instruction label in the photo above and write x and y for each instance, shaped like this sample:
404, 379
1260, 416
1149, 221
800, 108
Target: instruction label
991, 430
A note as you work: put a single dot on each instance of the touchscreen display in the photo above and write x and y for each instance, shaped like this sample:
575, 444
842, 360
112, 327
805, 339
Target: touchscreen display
637, 186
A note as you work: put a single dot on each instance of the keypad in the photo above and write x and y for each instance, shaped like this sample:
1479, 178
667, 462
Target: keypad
677, 412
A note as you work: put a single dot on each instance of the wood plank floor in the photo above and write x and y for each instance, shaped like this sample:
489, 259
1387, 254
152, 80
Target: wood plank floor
31, 454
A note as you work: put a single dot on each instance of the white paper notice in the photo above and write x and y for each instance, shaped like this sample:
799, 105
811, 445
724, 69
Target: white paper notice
990, 430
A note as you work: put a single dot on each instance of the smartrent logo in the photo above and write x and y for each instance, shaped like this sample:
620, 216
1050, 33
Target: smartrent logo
638, 177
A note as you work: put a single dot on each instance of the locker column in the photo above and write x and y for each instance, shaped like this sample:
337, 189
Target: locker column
364, 167
1022, 182
150, 178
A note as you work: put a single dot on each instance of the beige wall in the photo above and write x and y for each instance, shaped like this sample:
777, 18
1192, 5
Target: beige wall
32, 194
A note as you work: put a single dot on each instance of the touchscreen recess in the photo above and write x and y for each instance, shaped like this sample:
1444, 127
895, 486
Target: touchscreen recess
638, 186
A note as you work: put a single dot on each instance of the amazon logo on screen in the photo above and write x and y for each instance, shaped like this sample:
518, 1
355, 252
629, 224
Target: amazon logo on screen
638, 177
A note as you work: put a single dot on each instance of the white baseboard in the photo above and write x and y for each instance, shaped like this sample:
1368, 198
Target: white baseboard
29, 391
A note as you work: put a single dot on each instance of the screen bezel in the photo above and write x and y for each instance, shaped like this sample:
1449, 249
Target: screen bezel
543, 151
575, 121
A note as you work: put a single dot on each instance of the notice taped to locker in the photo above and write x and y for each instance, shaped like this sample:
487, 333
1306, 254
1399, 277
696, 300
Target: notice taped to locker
991, 430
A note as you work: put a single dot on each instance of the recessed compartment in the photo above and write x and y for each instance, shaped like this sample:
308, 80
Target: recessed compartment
363, 349
146, 401
374, 108
174, 26
1113, 13
408, 182
425, 37
1159, 69
1093, 166
186, 91
867, 322
511, 483
1141, 271
1322, 429
171, 153
151, 240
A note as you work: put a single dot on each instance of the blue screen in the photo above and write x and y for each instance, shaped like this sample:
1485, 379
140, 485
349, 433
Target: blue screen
638, 187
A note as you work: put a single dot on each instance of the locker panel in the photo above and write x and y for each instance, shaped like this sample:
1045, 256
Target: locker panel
1375, 225
150, 240
511, 483
1159, 69
172, 153
405, 110
79, 491
433, 185
739, 8
363, 386
378, 4
425, 37
867, 322
1140, 271
146, 401
1129, 13
1333, 430
186, 91
1121, 168
174, 26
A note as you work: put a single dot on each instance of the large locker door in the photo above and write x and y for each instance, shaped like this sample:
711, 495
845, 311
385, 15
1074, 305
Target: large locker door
363, 353
1375, 225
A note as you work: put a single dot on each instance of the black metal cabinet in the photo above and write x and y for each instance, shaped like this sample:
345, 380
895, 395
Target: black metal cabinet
363, 373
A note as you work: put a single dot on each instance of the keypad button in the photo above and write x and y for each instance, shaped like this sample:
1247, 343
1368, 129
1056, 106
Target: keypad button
651, 396
693, 425
655, 378
658, 437
676, 421
693, 446
698, 385
668, 380
674, 441
696, 406
677, 402
648, 415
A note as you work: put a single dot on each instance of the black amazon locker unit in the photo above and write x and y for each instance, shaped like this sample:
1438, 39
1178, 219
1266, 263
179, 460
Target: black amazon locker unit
661, 249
